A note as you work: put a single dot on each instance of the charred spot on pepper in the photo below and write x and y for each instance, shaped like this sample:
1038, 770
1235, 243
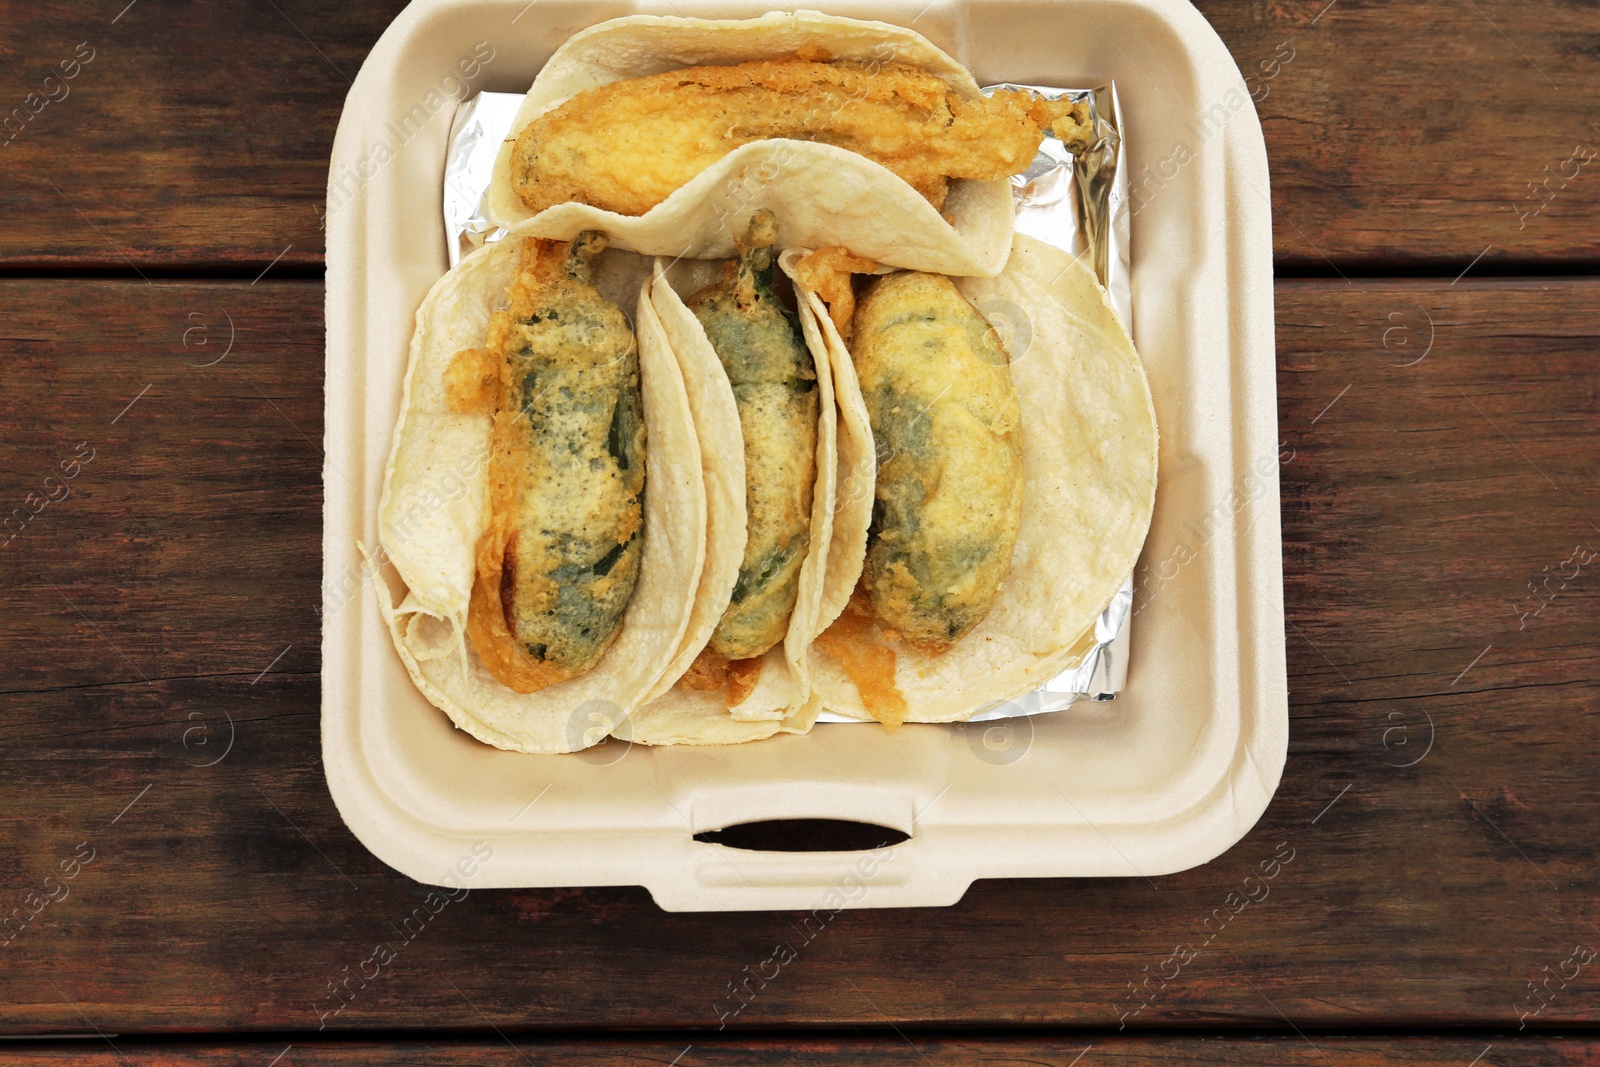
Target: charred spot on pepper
620, 435
508, 578
603, 565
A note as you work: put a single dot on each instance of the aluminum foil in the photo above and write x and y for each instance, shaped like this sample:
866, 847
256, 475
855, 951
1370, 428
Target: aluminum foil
1080, 205
481, 123
1077, 203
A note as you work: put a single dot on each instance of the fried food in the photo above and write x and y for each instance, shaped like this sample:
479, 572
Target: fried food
775, 386
947, 424
829, 272
559, 558
626, 146
853, 643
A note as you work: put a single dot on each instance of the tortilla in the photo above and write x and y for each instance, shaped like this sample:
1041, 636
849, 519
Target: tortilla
857, 462
1088, 433
781, 698
433, 510
1089, 476
821, 194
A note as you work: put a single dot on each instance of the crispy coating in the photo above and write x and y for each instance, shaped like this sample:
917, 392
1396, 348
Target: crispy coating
865, 660
828, 272
946, 422
559, 557
626, 146
775, 385
711, 670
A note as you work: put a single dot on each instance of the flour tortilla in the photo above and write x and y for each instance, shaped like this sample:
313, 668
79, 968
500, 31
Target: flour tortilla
781, 699
1089, 468
822, 195
858, 461
432, 512
673, 713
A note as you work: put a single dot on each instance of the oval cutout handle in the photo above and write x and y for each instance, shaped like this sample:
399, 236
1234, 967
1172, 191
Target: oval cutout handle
803, 835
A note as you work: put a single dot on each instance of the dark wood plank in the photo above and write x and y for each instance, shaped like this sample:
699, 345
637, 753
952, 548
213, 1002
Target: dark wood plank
195, 134
1419, 501
1376, 115
232, 447
700, 1051
1422, 131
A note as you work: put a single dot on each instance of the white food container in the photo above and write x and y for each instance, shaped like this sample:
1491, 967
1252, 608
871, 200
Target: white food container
1165, 777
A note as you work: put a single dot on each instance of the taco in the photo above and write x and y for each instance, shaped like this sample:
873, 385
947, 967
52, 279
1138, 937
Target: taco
645, 499
549, 580
762, 387
1013, 489
658, 130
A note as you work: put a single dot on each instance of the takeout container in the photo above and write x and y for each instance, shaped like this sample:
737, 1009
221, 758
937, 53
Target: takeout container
1167, 776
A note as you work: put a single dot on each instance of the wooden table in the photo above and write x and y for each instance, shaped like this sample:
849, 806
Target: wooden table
1438, 311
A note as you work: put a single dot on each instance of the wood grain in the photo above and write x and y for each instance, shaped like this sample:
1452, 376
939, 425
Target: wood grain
175, 590
1404, 130
197, 134
696, 1050
1379, 134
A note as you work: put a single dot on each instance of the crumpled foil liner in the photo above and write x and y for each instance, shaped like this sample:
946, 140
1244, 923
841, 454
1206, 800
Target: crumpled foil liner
1080, 205
481, 124
1077, 203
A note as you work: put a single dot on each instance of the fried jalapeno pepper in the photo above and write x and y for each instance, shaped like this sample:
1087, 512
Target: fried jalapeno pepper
775, 384
946, 422
560, 555
910, 120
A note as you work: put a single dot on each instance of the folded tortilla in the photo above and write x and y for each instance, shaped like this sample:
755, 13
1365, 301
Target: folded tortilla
822, 195
782, 699
1089, 446
433, 510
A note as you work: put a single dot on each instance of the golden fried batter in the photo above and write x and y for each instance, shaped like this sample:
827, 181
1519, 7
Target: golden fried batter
775, 385
947, 425
711, 670
626, 146
854, 645
828, 273
560, 555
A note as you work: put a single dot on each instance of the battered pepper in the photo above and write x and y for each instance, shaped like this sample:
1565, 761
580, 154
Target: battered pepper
946, 423
775, 384
559, 557
627, 145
